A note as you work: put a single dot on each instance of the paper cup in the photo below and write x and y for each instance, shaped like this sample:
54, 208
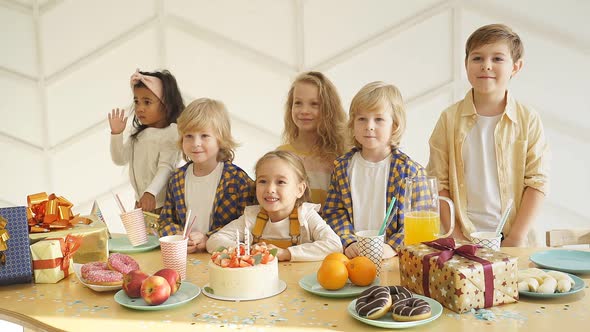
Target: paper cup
174, 253
134, 224
487, 239
370, 245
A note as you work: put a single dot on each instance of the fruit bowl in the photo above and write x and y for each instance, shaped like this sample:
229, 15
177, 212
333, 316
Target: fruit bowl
96, 288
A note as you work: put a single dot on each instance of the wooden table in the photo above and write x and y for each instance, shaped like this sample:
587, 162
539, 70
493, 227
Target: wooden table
69, 305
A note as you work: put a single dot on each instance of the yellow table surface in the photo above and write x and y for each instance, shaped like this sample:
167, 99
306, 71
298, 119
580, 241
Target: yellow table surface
69, 305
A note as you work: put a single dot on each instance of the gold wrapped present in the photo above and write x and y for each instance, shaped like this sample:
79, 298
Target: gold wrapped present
52, 258
460, 278
95, 239
152, 225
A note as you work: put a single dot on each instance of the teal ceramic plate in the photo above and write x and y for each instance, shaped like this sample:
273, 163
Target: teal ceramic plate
185, 293
387, 320
208, 292
122, 245
572, 261
578, 286
310, 284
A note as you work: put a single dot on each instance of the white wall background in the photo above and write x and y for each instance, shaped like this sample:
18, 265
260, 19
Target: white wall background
65, 64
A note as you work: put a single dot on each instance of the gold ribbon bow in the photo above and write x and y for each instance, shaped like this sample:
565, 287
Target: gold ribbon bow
4, 236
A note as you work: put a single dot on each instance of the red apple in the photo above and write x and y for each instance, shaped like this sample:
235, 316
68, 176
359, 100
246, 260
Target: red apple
155, 290
173, 278
132, 283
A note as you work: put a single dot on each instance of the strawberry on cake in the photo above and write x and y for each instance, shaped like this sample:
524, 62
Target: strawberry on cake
245, 276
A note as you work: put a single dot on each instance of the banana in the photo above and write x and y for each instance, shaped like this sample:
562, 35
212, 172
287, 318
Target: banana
548, 286
539, 281
563, 286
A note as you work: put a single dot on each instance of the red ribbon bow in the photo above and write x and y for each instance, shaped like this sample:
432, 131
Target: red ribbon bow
447, 250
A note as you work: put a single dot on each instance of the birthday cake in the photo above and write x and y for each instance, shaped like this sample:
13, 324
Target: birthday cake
245, 276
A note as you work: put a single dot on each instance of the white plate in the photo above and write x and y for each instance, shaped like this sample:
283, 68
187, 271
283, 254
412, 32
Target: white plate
387, 320
96, 288
282, 287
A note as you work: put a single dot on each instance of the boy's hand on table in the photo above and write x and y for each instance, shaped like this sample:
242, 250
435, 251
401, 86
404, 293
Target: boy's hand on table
352, 250
197, 242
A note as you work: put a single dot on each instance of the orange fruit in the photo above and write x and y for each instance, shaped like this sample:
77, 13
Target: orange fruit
332, 274
337, 256
361, 271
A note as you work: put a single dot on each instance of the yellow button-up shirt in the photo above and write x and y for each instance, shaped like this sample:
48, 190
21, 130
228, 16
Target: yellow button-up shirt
521, 151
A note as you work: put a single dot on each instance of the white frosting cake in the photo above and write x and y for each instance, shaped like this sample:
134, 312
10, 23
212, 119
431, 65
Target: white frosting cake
253, 282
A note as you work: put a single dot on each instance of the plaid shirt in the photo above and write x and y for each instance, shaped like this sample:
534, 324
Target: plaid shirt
234, 192
338, 208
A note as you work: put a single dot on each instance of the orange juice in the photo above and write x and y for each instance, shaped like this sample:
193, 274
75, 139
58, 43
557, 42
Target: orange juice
421, 226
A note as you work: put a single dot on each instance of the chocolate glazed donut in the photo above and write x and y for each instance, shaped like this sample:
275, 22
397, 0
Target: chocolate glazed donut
411, 309
374, 302
399, 293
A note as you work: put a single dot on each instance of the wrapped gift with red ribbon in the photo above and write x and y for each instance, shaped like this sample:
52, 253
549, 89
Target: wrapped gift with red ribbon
461, 277
49, 212
52, 258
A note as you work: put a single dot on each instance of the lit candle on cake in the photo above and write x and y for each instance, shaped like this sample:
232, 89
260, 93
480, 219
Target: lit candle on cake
247, 240
237, 243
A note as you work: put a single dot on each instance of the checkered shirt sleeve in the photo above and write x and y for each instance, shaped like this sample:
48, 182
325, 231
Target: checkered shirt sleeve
337, 210
170, 215
402, 168
234, 193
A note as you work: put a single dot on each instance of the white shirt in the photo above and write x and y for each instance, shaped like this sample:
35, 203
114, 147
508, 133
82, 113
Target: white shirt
481, 174
277, 230
199, 195
152, 157
368, 189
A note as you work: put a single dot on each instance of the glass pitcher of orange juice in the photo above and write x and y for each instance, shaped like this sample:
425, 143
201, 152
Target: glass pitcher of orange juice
422, 210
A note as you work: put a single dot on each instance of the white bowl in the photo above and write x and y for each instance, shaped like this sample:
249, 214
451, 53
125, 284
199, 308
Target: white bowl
96, 288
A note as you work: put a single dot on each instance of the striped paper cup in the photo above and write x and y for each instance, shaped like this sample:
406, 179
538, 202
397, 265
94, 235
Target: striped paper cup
135, 227
174, 253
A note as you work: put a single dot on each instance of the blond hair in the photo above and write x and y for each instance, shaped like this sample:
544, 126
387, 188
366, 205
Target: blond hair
205, 113
331, 127
492, 33
296, 164
379, 97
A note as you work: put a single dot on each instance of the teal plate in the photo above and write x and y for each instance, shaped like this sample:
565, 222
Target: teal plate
572, 261
185, 293
122, 245
310, 284
387, 320
578, 286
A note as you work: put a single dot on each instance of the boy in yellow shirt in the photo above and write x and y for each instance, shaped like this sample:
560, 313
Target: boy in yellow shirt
488, 148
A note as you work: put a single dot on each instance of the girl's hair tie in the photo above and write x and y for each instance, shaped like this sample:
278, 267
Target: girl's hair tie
151, 82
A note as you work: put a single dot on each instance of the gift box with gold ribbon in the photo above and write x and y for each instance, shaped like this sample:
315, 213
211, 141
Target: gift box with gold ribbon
52, 258
461, 277
15, 257
94, 236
